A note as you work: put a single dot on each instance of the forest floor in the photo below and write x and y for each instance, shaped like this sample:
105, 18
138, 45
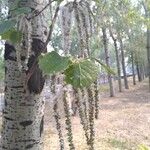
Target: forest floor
123, 124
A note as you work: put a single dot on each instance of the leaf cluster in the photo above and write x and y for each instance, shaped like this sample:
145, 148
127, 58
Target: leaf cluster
8, 27
78, 72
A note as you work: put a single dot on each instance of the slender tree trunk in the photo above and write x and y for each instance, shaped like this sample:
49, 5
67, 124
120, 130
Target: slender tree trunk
123, 64
148, 55
142, 71
23, 114
133, 68
147, 15
105, 42
145, 70
138, 72
117, 60
132, 60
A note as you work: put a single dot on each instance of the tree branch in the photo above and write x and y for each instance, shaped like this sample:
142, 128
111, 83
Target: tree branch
32, 69
38, 13
51, 27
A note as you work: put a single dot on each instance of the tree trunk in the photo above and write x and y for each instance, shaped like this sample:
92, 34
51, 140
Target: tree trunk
147, 15
23, 114
142, 71
138, 72
148, 55
133, 68
105, 42
145, 70
132, 60
117, 60
123, 65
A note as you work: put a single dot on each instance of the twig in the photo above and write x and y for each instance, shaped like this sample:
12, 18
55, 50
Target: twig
51, 27
38, 13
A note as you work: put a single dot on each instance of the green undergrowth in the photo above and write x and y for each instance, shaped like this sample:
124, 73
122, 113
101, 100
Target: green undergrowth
104, 88
121, 144
118, 144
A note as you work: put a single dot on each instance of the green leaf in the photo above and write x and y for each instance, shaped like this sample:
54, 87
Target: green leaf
6, 26
81, 73
12, 35
107, 68
52, 63
97, 1
59, 1
14, 5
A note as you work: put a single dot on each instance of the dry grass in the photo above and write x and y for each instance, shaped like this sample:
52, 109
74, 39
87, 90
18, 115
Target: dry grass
123, 124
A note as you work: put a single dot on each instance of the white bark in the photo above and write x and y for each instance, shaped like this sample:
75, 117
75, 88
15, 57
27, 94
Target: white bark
23, 113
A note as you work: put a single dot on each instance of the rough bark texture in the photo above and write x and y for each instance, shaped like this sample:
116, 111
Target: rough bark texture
123, 65
23, 113
105, 42
117, 61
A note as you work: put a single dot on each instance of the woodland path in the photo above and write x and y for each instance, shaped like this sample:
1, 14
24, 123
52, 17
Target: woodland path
123, 124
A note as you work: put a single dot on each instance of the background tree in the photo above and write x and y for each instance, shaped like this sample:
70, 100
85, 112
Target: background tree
117, 59
77, 33
146, 5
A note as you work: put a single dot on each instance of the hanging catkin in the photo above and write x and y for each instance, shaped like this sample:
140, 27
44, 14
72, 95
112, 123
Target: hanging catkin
91, 118
68, 122
66, 21
56, 113
96, 98
58, 125
82, 115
